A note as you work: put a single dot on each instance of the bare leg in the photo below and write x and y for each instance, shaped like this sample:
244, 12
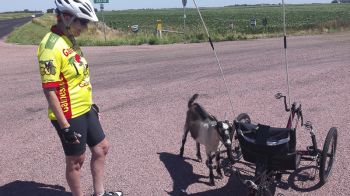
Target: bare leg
97, 164
73, 167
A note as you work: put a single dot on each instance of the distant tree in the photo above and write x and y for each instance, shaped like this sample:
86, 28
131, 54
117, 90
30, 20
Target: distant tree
96, 10
340, 1
26, 10
50, 10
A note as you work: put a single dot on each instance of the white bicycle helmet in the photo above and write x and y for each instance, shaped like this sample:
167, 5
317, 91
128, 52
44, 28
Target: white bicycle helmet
78, 8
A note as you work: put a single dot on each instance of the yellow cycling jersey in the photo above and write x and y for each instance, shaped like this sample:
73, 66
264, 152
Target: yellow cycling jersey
66, 70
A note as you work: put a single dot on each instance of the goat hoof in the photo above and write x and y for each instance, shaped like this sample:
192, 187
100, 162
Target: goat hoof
199, 158
211, 183
181, 153
219, 176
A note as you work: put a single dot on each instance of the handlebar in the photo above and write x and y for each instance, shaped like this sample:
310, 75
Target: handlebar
279, 96
296, 107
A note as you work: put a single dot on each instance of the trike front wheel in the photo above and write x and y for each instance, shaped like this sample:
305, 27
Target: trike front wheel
244, 118
328, 155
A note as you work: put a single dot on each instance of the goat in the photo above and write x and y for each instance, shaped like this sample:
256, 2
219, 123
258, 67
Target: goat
205, 129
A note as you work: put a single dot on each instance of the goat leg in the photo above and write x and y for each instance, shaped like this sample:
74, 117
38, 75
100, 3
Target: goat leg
229, 154
199, 157
183, 142
218, 168
210, 166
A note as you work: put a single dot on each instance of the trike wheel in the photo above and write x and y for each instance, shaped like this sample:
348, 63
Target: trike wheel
243, 117
328, 155
264, 187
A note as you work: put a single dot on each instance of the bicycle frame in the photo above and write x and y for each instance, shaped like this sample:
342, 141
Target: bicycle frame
296, 111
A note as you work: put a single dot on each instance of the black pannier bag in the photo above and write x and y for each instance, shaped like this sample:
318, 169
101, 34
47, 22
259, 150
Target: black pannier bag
273, 146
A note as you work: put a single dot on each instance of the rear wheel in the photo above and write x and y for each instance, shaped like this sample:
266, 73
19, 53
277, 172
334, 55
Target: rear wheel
265, 184
328, 155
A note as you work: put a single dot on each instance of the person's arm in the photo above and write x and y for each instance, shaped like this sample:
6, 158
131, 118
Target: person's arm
69, 135
54, 104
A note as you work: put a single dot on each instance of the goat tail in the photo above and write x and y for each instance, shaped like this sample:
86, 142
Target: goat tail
190, 102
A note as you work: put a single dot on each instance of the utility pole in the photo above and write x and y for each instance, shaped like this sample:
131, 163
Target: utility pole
101, 2
103, 20
184, 2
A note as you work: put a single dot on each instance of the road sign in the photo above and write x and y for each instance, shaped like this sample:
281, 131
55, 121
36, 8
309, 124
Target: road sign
134, 28
101, 1
253, 22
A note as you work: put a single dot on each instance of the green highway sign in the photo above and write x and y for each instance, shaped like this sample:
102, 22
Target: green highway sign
101, 1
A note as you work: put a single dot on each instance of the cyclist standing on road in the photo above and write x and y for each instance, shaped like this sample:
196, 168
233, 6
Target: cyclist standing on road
66, 84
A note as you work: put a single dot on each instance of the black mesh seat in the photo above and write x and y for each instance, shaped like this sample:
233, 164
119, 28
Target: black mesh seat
275, 146
264, 135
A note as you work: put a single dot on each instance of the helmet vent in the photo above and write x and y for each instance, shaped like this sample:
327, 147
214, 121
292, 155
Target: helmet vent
67, 1
84, 11
87, 6
59, 1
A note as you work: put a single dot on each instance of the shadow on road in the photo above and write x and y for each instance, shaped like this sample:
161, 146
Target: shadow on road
180, 171
302, 180
182, 175
32, 189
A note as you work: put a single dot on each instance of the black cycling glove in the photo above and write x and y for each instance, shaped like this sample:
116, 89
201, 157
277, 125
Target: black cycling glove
70, 136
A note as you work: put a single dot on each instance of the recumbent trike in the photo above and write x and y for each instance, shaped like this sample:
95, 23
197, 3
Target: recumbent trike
273, 150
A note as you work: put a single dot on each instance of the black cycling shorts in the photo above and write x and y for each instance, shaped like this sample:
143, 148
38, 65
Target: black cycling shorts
88, 125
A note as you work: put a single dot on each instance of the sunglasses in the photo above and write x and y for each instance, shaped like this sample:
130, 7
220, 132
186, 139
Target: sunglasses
82, 21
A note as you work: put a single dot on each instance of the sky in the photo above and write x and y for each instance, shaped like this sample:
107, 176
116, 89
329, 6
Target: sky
18, 5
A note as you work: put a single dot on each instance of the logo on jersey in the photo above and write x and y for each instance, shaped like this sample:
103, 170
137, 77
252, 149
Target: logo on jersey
47, 68
64, 100
76, 62
68, 51
84, 83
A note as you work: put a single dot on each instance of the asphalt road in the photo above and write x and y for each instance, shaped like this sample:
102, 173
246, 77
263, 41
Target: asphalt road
7, 26
143, 93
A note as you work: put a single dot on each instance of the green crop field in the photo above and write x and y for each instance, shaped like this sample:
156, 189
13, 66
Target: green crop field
224, 24
230, 23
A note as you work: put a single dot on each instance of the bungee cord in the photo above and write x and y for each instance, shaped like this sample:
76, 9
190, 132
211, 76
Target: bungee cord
216, 56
